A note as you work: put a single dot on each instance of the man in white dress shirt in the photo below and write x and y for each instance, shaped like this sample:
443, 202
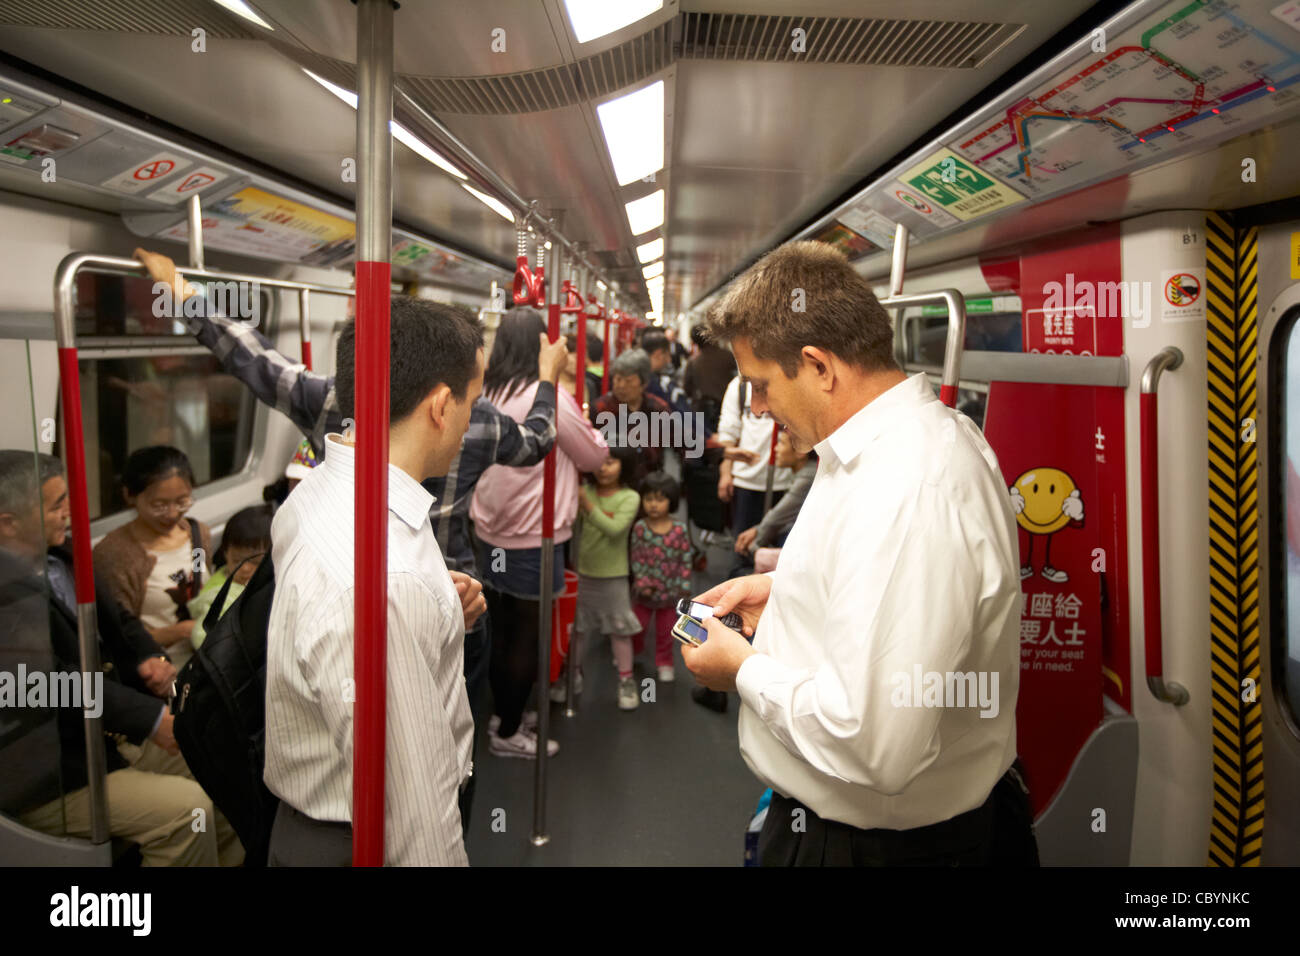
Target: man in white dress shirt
879, 694
436, 373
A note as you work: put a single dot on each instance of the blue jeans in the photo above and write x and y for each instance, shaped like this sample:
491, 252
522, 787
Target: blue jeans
520, 571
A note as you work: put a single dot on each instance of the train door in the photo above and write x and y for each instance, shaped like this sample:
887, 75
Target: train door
1272, 252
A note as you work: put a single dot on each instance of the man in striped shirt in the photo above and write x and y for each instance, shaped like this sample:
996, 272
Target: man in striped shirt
436, 374
310, 401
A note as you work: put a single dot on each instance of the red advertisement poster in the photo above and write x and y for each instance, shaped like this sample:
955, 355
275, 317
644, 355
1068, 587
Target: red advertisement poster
1068, 500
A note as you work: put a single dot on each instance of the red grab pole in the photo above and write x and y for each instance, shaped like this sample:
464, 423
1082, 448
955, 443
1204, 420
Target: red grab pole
374, 272
304, 326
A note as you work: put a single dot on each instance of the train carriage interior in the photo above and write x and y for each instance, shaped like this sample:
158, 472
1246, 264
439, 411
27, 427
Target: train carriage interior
1083, 221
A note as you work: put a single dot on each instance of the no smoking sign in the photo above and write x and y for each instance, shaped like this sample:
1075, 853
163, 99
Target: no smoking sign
141, 176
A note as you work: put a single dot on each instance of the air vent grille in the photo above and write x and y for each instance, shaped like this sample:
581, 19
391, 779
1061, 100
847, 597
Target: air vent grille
166, 17
934, 44
927, 43
554, 87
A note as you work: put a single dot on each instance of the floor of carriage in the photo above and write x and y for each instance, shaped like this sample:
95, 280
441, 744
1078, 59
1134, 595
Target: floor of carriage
660, 785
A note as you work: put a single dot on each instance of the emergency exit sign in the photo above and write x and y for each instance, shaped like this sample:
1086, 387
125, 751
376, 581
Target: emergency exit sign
957, 187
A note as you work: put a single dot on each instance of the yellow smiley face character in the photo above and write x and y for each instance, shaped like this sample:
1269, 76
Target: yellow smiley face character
1045, 500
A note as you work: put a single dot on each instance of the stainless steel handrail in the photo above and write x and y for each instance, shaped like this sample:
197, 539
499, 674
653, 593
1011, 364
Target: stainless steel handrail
65, 278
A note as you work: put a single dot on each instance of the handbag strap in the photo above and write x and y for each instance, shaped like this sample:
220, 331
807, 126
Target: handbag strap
196, 544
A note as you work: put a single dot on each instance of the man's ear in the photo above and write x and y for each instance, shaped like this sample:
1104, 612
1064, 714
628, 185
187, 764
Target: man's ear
818, 360
438, 400
8, 524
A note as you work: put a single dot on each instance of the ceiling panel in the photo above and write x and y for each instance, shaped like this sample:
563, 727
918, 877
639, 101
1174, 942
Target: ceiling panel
755, 148
247, 97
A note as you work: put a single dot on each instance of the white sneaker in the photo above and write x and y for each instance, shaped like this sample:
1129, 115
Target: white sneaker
528, 723
520, 745
628, 698
666, 674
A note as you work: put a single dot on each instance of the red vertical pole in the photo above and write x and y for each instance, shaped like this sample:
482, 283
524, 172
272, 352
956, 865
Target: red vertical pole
304, 326
604, 382
374, 273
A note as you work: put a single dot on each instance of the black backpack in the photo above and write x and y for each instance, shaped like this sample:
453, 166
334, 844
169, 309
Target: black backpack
220, 712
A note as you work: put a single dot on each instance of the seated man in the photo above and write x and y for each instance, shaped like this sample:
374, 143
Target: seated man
152, 802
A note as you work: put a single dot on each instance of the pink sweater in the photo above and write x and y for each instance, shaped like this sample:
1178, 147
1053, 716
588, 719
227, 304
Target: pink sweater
507, 505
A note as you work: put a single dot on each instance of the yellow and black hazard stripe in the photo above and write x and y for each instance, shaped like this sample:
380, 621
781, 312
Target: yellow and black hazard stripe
1232, 346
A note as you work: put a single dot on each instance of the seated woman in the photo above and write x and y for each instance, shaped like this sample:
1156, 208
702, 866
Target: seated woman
155, 564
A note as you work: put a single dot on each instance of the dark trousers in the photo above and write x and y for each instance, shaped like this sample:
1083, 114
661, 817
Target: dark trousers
747, 508
997, 833
747, 511
478, 651
298, 840
513, 668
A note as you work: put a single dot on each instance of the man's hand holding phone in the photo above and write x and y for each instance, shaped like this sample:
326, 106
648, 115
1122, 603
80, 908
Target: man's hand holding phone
717, 660
746, 596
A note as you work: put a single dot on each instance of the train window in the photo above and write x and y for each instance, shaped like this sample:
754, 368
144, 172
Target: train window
1287, 389
992, 325
134, 395
111, 306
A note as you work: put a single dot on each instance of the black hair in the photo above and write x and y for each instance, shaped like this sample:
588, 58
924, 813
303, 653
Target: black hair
654, 341
513, 364
626, 456
276, 492
595, 348
249, 528
662, 483
700, 335
430, 344
144, 466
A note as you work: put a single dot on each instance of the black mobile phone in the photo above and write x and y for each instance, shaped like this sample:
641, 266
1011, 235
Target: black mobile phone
702, 612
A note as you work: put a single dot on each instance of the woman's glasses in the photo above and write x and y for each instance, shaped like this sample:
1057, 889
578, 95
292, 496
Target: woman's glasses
163, 508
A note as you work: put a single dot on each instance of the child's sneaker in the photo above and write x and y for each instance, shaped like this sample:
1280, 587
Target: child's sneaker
520, 745
666, 675
527, 723
628, 698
